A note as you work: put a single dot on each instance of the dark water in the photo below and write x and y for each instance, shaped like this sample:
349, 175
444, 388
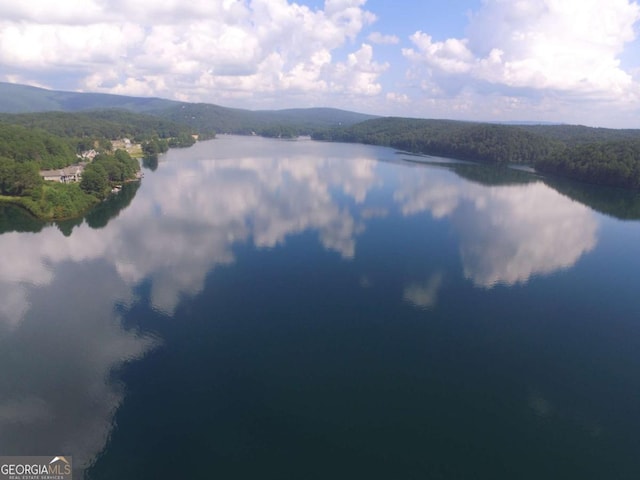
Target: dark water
264, 309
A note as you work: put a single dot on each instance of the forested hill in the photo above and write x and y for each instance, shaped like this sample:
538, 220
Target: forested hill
15, 98
22, 145
615, 163
99, 124
202, 118
485, 142
595, 155
206, 118
572, 135
30, 143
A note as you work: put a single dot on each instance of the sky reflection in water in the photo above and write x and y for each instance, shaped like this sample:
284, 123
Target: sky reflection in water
62, 298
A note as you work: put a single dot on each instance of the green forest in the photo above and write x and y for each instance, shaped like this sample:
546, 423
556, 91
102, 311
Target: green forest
595, 155
614, 164
490, 143
33, 142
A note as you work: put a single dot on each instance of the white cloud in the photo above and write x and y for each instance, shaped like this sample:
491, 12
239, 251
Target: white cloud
571, 47
395, 97
381, 39
359, 73
205, 50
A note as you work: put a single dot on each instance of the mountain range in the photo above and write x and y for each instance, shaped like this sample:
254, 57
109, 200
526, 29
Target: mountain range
202, 117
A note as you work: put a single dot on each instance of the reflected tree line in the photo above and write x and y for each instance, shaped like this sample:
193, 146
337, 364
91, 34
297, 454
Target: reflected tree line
618, 203
16, 219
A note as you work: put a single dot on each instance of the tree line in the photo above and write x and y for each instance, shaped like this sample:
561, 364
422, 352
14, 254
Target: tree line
23, 144
491, 143
614, 164
601, 156
51, 140
107, 170
99, 124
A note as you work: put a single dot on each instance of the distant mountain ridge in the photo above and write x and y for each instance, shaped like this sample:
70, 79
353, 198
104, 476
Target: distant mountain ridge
202, 117
16, 98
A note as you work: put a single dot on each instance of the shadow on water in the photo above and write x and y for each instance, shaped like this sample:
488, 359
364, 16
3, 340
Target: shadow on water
619, 203
99, 216
490, 176
16, 219
483, 174
150, 162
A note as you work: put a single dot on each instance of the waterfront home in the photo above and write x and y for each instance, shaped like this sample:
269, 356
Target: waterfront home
69, 174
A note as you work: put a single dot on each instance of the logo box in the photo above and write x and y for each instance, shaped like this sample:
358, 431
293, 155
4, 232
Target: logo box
36, 468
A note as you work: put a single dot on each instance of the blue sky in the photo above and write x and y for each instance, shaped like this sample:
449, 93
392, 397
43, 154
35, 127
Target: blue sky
572, 61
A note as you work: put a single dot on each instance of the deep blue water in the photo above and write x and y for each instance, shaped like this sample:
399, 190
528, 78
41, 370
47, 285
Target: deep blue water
301, 310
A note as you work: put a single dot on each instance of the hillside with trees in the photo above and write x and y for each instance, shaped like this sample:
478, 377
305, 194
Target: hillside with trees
604, 163
15, 98
595, 155
483, 142
202, 118
572, 135
22, 144
31, 143
83, 129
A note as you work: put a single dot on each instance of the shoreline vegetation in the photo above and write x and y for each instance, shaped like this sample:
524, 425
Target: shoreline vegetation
602, 156
599, 156
102, 148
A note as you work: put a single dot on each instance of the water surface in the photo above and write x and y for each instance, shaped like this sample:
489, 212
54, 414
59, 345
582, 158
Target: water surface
294, 309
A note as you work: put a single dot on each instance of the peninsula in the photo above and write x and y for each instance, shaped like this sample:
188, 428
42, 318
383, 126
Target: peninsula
58, 165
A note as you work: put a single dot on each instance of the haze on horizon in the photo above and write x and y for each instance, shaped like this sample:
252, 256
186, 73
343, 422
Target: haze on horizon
570, 61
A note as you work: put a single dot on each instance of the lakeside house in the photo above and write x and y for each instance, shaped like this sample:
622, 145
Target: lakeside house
69, 174
123, 144
88, 155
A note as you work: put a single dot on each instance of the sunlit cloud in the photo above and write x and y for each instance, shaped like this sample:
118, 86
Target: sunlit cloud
534, 49
381, 39
204, 50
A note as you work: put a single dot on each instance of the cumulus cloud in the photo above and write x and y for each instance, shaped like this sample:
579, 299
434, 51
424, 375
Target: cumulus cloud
570, 47
359, 73
200, 48
381, 39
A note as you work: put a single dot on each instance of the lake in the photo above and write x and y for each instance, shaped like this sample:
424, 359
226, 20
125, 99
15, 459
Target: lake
271, 309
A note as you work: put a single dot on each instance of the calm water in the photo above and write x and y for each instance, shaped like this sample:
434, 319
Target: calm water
264, 309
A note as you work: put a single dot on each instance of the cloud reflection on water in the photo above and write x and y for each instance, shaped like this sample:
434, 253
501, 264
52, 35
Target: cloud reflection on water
424, 295
506, 233
56, 363
60, 335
